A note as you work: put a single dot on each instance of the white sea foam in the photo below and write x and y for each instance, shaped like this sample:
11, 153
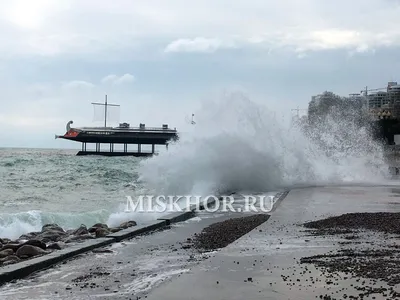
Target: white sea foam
12, 225
237, 145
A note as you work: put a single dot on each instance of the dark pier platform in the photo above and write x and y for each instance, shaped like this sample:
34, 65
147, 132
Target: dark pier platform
122, 135
116, 153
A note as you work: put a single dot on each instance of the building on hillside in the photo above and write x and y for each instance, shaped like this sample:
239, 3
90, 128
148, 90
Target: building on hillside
377, 100
393, 92
356, 101
385, 104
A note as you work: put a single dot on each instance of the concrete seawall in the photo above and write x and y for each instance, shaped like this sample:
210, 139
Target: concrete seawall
25, 268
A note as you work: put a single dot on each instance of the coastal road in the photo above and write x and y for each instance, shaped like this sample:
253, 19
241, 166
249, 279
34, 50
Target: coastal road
264, 264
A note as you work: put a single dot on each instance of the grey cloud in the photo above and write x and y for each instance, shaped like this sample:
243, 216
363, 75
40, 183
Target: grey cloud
76, 27
281, 52
78, 84
117, 80
199, 44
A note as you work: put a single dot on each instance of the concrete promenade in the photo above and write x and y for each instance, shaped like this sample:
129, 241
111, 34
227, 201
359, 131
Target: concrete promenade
264, 264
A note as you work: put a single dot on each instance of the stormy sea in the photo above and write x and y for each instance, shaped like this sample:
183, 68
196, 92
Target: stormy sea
235, 145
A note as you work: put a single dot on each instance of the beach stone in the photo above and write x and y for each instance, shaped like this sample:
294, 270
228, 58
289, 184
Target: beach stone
52, 227
386, 222
96, 226
6, 252
127, 224
81, 230
28, 236
13, 246
221, 234
10, 262
70, 239
56, 246
10, 258
112, 230
50, 236
70, 232
21, 241
102, 232
6, 241
29, 251
76, 238
36, 243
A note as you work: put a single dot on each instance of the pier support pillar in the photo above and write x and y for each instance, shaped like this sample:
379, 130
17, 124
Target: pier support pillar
97, 147
111, 147
152, 149
139, 148
125, 148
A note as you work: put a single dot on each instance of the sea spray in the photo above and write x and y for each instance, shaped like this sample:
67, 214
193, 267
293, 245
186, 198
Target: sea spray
237, 145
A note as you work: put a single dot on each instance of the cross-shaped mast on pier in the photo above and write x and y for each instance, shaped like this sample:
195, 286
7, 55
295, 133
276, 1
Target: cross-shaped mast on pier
105, 109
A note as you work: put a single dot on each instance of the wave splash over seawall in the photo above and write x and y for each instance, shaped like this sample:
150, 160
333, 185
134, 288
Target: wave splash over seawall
239, 145
236, 145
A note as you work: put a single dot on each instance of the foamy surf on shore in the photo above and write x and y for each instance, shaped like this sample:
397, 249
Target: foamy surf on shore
42, 186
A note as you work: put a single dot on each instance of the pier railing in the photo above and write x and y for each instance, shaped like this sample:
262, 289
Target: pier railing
133, 129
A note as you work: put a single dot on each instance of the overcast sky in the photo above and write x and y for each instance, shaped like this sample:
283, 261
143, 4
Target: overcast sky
159, 59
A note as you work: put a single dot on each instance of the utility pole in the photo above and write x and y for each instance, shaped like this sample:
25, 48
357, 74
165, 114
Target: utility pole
105, 113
